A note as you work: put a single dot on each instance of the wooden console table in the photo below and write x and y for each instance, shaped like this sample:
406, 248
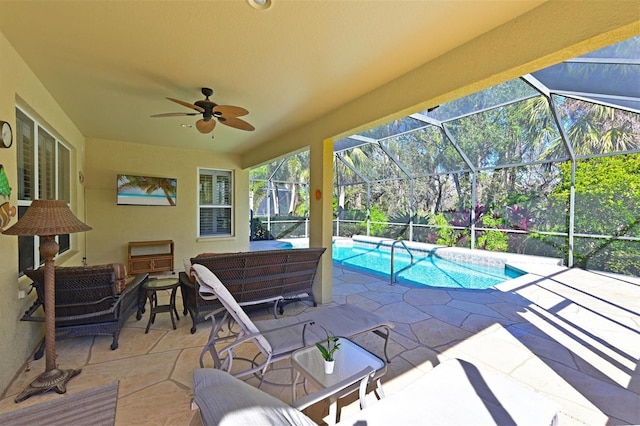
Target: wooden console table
150, 256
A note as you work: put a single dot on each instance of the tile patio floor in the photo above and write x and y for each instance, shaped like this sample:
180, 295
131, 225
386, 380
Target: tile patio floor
571, 335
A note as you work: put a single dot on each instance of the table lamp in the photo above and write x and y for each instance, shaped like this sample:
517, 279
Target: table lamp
48, 218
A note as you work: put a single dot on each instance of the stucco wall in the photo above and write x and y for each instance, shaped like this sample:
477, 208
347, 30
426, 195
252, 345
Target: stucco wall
114, 226
19, 86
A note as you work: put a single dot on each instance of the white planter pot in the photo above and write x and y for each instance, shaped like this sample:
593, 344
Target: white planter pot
328, 366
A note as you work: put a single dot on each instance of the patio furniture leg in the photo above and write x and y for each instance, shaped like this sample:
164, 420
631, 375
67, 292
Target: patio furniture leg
333, 411
379, 390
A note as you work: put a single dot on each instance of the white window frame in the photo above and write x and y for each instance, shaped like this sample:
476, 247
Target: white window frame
35, 186
213, 205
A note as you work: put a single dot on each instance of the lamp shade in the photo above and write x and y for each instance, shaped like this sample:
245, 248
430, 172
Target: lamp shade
47, 217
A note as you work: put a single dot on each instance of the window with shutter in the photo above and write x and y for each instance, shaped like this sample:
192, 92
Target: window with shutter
25, 143
215, 213
46, 165
44, 172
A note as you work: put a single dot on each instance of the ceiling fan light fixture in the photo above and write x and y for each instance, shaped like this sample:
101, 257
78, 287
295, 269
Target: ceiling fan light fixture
211, 113
205, 126
260, 4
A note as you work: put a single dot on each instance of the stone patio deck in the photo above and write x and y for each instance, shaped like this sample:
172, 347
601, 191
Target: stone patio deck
570, 335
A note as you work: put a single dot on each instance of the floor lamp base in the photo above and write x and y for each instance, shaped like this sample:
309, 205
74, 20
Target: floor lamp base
49, 380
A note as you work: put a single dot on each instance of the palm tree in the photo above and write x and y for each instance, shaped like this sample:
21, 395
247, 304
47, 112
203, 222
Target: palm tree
258, 181
297, 177
150, 185
591, 128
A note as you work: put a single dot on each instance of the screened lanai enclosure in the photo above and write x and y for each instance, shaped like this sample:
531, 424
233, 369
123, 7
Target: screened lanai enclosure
547, 164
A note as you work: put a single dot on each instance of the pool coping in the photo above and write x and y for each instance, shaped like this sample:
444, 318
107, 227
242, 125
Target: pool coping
512, 261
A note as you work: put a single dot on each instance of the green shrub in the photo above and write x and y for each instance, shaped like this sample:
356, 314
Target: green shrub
376, 229
492, 240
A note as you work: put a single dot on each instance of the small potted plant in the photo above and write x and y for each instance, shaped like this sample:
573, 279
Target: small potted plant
327, 351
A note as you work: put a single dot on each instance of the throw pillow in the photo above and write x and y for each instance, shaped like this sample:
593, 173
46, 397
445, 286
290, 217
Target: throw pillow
120, 277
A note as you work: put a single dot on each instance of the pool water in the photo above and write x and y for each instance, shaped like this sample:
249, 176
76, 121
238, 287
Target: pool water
426, 269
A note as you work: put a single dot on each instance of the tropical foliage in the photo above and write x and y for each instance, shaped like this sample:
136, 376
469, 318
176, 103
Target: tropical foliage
514, 159
607, 194
496, 170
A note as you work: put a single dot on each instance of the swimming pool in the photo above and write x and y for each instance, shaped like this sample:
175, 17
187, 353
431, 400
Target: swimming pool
426, 269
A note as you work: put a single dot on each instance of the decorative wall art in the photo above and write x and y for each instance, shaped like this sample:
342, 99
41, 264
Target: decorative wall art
146, 191
6, 211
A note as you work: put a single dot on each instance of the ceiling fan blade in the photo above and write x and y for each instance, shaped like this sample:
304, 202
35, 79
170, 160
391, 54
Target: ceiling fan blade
230, 110
236, 123
174, 114
187, 104
205, 126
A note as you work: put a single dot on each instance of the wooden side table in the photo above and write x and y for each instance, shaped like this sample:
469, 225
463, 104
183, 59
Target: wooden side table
152, 287
350, 359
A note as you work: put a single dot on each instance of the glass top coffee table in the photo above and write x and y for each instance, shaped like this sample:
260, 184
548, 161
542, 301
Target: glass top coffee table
349, 360
154, 285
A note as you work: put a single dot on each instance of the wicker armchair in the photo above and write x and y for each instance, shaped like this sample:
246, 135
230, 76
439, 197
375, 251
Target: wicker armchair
88, 301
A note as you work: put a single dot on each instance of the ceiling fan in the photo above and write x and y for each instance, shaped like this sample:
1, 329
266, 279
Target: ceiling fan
225, 114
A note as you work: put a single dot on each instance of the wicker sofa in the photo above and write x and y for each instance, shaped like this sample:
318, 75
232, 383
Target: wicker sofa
90, 300
252, 277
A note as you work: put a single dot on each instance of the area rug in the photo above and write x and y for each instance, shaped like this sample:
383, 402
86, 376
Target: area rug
95, 406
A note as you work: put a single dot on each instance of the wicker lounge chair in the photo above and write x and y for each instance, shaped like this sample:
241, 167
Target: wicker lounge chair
89, 301
278, 338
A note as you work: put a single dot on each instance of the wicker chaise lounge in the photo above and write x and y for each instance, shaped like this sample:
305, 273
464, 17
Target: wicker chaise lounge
90, 301
252, 277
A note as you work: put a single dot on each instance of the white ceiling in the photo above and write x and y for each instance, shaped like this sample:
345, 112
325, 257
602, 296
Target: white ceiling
110, 64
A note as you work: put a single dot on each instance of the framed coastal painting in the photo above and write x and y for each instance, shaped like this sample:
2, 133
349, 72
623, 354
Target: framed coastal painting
146, 190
